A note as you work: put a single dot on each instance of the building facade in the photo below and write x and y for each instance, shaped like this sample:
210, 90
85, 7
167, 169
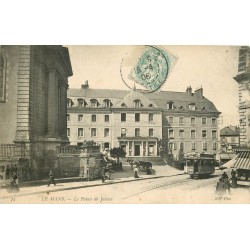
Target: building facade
33, 101
243, 80
137, 122
229, 138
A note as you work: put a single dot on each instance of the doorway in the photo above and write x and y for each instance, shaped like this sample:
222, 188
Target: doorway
137, 150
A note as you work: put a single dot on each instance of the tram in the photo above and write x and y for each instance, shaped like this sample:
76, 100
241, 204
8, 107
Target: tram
199, 165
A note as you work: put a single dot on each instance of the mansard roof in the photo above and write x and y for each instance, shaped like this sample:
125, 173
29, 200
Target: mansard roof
180, 100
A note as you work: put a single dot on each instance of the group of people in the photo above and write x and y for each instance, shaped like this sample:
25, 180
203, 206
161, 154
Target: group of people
225, 183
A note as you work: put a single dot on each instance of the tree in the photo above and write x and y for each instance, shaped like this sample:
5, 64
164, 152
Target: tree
117, 153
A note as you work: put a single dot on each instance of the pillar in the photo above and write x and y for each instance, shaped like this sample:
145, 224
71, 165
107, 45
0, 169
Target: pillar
52, 104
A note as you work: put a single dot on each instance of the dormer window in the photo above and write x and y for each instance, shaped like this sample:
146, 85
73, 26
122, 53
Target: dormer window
181, 107
170, 105
69, 102
94, 103
107, 103
123, 105
81, 102
137, 103
192, 106
151, 105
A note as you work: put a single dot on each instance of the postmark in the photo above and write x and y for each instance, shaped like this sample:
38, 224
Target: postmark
152, 68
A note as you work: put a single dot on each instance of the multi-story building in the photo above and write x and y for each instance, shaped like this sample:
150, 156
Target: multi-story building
243, 79
33, 102
229, 138
136, 121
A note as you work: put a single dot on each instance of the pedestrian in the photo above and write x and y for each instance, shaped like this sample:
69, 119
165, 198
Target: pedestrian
136, 170
233, 172
51, 178
14, 184
234, 183
221, 187
226, 181
103, 174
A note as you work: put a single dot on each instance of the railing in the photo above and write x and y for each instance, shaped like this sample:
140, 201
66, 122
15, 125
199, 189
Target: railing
18, 150
76, 150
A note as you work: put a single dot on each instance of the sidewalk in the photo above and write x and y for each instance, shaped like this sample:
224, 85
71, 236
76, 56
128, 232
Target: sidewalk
117, 177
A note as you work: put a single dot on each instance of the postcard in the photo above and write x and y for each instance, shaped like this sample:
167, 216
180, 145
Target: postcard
148, 124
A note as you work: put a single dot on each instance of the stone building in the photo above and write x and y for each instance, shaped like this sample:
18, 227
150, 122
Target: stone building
33, 103
137, 122
243, 80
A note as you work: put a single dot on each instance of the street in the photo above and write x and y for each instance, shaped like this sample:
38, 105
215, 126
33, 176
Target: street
172, 189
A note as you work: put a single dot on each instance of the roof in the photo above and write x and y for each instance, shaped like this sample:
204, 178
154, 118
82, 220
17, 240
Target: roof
228, 131
243, 160
180, 100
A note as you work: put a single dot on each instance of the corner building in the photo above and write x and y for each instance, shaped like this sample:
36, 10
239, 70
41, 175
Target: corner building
136, 122
33, 103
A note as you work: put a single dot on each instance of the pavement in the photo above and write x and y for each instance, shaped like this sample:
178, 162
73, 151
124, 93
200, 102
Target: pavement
127, 175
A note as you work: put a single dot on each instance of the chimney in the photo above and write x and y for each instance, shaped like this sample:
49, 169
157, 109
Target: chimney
189, 90
86, 85
199, 92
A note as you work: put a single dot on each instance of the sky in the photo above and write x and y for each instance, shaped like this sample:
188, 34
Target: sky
212, 67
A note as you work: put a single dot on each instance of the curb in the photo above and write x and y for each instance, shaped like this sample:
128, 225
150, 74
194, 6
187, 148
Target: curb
87, 186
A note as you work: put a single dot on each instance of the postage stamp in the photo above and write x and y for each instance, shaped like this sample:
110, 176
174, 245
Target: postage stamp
153, 68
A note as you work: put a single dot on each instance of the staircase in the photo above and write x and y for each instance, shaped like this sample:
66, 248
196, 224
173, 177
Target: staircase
156, 161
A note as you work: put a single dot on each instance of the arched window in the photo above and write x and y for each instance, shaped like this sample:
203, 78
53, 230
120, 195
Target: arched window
94, 103
123, 105
2, 78
107, 103
81, 102
80, 118
137, 103
192, 106
170, 105
151, 105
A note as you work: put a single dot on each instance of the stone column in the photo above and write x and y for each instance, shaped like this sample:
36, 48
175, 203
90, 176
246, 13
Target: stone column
52, 104
63, 110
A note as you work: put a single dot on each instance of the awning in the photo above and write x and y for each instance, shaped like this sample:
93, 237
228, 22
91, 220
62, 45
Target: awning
228, 156
229, 164
243, 160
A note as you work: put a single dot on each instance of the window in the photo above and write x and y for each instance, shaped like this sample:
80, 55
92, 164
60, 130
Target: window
123, 117
170, 105
213, 120
171, 133
151, 132
193, 134
93, 118
2, 78
93, 103
174, 145
214, 146
181, 133
191, 106
93, 132
192, 119
150, 117
137, 117
68, 131
171, 119
204, 133
214, 132
80, 102
182, 145
204, 146
123, 132
137, 103
123, 105
68, 117
181, 120
107, 103
232, 139
106, 118
193, 145
203, 120
80, 132
151, 105
80, 118
69, 102
137, 132
106, 132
